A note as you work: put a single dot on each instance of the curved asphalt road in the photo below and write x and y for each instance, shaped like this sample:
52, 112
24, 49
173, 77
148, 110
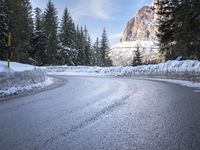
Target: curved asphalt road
91, 113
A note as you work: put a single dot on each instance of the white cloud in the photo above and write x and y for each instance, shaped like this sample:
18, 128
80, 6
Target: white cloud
94, 8
116, 35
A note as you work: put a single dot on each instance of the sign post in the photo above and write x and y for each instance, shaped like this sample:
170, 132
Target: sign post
9, 43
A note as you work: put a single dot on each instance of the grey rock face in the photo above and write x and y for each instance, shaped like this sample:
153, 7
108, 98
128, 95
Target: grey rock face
142, 26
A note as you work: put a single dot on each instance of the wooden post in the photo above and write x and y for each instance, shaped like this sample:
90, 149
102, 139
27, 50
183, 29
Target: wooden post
9, 43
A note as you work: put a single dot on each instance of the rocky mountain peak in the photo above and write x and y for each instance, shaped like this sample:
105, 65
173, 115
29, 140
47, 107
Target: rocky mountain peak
142, 26
140, 32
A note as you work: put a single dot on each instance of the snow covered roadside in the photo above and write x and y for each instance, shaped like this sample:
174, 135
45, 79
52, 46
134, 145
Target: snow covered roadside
21, 78
180, 82
178, 70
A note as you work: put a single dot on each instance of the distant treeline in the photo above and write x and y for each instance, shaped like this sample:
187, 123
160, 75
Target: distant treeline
44, 40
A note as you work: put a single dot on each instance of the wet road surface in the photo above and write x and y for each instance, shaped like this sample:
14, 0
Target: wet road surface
91, 113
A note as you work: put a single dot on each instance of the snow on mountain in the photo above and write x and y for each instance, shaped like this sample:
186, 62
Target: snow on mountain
122, 53
139, 32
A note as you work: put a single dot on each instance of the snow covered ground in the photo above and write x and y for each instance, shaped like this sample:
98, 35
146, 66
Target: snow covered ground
15, 67
20, 78
182, 70
180, 82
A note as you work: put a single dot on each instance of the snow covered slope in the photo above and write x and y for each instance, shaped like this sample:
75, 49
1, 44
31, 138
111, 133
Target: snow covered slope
15, 67
20, 78
122, 53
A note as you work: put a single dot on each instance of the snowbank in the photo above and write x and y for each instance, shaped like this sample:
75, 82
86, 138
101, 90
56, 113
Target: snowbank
20, 78
190, 67
15, 67
181, 70
187, 70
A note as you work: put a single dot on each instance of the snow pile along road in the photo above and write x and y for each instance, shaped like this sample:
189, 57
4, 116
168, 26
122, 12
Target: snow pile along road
20, 78
188, 70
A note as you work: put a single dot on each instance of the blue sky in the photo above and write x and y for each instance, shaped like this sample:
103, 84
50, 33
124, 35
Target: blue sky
97, 14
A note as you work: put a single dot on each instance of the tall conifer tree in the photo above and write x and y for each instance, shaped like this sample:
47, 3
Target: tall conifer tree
50, 25
104, 47
67, 30
38, 40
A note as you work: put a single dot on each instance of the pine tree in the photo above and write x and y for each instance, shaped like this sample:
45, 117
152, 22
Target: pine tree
38, 40
67, 39
38, 19
20, 12
67, 30
187, 29
50, 25
104, 47
87, 46
93, 58
97, 58
104, 44
4, 21
179, 29
77, 37
81, 47
78, 44
137, 59
195, 45
165, 10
